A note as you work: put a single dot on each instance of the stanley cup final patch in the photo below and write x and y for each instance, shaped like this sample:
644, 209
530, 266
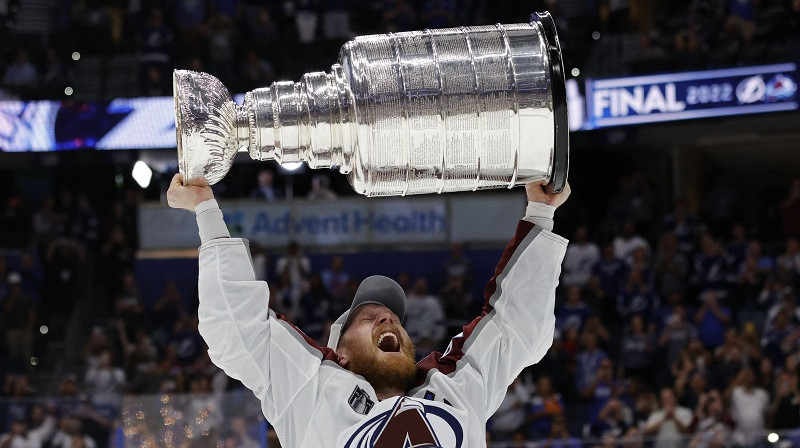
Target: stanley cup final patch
360, 401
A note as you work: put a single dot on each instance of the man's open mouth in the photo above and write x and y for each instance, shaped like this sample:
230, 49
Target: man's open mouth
387, 342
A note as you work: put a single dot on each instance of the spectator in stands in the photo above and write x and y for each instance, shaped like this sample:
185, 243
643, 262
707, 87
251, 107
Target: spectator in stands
457, 263
32, 277
140, 357
637, 298
636, 350
669, 424
459, 305
690, 385
671, 266
318, 309
17, 436
155, 40
262, 31
335, 278
129, 306
18, 316
46, 223
154, 81
85, 225
629, 240
265, 188
557, 365
736, 248
790, 211
709, 267
255, 71
425, 321
70, 434
189, 347
712, 319
545, 406
104, 382
740, 24
222, 40
115, 258
321, 189
788, 263
559, 436
711, 423
240, 436
719, 206
581, 257
589, 363
508, 422
189, 16
438, 13
574, 312
683, 225
63, 269
676, 334
784, 410
399, 15
204, 408
295, 264
613, 420
55, 76
748, 405
336, 23
165, 312
42, 425
21, 74
610, 272
232, 9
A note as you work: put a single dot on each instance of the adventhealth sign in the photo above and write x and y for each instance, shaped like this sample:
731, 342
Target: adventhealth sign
358, 222
679, 96
341, 222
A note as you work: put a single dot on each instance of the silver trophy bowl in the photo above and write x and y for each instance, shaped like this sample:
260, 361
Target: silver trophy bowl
433, 111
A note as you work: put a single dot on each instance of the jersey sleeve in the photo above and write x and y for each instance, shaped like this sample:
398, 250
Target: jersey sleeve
516, 326
246, 339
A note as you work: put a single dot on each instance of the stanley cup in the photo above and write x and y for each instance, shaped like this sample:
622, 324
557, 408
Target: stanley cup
432, 111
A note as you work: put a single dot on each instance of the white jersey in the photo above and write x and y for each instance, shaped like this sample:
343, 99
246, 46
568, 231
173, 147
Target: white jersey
313, 402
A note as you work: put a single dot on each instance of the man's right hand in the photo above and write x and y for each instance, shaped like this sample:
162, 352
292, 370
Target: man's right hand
188, 196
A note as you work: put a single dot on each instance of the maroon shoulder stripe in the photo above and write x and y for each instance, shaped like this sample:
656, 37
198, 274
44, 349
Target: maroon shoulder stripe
447, 364
327, 353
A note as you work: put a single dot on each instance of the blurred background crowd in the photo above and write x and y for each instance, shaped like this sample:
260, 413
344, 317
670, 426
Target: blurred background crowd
675, 318
118, 48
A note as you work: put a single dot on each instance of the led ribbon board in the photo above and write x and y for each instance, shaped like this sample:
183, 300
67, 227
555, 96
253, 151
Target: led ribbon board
682, 96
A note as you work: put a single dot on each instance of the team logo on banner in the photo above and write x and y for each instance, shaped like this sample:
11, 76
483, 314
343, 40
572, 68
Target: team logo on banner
780, 88
751, 90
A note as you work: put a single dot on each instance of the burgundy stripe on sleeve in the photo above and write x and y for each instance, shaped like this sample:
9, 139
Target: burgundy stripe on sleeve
447, 364
327, 353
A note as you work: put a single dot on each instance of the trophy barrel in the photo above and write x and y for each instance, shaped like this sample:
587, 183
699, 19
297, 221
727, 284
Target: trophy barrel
458, 109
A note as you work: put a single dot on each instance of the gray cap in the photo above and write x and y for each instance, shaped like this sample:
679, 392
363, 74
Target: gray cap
376, 289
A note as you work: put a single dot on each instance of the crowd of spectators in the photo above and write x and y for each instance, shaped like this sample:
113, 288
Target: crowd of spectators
669, 325
249, 44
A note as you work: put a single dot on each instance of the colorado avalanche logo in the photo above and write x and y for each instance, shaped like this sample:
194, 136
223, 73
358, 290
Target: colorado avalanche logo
410, 424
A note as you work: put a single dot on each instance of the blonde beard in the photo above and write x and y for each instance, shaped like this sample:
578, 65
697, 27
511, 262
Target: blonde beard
395, 372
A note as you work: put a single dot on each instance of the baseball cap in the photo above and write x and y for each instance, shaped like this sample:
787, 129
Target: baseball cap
375, 289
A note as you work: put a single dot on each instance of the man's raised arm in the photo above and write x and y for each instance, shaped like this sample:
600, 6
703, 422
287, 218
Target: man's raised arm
516, 326
245, 338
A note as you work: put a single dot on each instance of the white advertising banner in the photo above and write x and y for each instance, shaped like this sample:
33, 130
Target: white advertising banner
484, 218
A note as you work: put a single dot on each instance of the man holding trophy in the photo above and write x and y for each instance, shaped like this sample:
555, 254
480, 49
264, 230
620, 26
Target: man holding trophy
407, 113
